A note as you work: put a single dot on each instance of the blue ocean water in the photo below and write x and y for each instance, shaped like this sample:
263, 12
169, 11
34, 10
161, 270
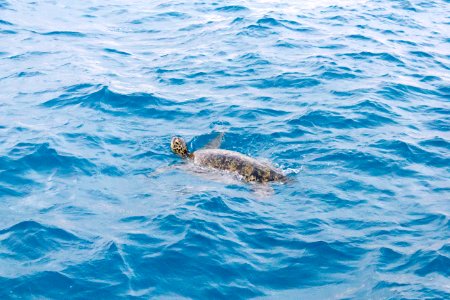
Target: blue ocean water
350, 98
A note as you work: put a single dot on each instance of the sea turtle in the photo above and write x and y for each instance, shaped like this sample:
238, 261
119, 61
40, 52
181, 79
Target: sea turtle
249, 168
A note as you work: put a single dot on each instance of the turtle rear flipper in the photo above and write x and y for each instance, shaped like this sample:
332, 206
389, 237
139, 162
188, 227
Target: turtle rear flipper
214, 143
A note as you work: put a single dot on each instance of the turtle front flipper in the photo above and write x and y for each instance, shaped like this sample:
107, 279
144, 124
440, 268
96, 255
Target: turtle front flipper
262, 191
164, 169
214, 143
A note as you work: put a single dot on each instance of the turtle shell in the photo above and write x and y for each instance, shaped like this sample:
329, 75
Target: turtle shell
249, 168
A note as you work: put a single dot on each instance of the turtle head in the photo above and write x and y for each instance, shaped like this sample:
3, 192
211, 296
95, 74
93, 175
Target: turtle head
178, 146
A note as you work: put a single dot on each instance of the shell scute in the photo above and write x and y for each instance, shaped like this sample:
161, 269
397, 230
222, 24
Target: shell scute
249, 168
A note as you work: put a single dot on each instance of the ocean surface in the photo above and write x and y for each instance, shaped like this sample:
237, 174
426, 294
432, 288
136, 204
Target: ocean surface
351, 99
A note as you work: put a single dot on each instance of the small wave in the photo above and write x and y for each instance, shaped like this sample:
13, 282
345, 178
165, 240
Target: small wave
369, 55
3, 4
328, 119
10, 191
32, 240
372, 106
337, 75
388, 256
286, 80
65, 33
361, 37
12, 182
192, 27
28, 74
396, 91
438, 142
8, 32
405, 5
252, 59
174, 14
290, 25
412, 153
257, 31
27, 55
214, 204
232, 8
255, 114
439, 221
439, 124
103, 99
43, 158
285, 44
110, 50
3, 22
445, 91
268, 21
166, 16
385, 288
421, 54
350, 93
424, 262
406, 42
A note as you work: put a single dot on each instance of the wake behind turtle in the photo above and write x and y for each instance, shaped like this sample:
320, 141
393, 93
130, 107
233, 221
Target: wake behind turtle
249, 168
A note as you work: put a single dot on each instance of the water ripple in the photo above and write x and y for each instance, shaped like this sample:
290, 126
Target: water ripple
349, 98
